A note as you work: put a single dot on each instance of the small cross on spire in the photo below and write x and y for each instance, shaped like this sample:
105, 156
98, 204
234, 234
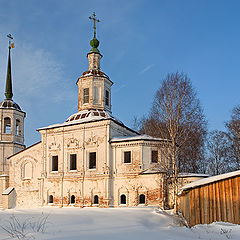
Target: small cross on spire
8, 91
10, 37
93, 17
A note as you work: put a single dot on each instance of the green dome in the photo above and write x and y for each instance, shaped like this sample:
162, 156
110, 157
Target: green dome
94, 44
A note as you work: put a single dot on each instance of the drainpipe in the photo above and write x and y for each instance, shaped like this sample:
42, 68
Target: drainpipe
62, 166
83, 166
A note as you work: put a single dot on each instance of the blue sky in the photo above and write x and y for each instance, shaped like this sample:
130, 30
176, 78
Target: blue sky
140, 40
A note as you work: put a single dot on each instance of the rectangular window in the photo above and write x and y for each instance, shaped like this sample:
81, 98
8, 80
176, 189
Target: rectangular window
86, 95
154, 156
92, 160
54, 163
107, 98
73, 161
127, 157
96, 95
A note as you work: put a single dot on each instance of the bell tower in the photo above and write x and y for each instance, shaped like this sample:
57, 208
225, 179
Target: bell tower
94, 86
11, 120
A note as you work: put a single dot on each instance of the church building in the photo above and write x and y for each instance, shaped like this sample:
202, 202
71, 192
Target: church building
91, 159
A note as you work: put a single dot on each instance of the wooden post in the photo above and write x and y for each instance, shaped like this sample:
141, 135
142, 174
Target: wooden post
192, 208
214, 203
202, 204
237, 199
230, 194
210, 197
218, 202
197, 208
206, 205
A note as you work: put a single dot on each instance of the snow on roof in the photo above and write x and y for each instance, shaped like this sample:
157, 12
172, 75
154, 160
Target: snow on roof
154, 169
184, 175
136, 138
210, 180
83, 116
8, 191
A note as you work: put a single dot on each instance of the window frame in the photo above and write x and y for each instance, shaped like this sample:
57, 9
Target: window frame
85, 95
52, 159
89, 160
72, 196
70, 162
139, 199
152, 156
7, 126
124, 154
107, 97
95, 197
123, 204
50, 203
18, 127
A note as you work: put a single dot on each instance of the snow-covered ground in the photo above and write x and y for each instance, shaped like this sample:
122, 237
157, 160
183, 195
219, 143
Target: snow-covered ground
111, 223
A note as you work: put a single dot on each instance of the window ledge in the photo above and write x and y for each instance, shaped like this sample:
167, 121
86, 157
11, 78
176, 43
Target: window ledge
73, 171
27, 178
54, 172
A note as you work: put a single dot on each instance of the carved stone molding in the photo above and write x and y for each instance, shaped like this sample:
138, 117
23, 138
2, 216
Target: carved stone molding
94, 140
73, 143
54, 146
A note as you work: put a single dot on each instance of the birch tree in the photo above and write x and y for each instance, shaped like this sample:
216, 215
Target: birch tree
176, 113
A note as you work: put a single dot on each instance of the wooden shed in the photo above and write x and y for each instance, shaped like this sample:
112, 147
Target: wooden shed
211, 199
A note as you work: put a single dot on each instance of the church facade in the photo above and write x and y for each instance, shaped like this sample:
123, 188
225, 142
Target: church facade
92, 159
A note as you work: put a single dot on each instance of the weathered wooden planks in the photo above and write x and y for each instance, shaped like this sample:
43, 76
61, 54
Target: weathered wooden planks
217, 201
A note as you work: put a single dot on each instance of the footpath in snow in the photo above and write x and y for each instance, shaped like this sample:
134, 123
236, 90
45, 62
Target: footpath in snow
107, 224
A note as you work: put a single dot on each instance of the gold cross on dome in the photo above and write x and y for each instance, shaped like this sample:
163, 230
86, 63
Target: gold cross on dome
93, 17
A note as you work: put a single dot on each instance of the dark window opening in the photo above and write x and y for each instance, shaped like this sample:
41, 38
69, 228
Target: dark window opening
78, 116
92, 160
127, 157
95, 200
50, 199
18, 128
72, 200
123, 199
73, 162
54, 163
7, 125
86, 95
107, 97
142, 199
154, 156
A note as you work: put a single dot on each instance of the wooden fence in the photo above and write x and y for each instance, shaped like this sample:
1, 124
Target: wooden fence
215, 201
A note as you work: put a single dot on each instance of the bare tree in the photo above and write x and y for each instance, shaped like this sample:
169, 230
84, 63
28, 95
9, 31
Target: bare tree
176, 115
233, 134
218, 153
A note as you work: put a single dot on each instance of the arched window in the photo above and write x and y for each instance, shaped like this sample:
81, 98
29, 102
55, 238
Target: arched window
7, 125
18, 132
123, 199
72, 200
28, 170
50, 199
95, 200
142, 199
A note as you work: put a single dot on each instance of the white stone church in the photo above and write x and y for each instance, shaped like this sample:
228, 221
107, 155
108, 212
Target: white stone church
92, 159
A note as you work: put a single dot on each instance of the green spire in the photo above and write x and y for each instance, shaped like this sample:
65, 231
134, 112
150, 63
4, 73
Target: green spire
8, 91
94, 42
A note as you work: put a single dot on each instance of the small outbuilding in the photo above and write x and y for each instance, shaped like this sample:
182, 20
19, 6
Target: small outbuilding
211, 199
